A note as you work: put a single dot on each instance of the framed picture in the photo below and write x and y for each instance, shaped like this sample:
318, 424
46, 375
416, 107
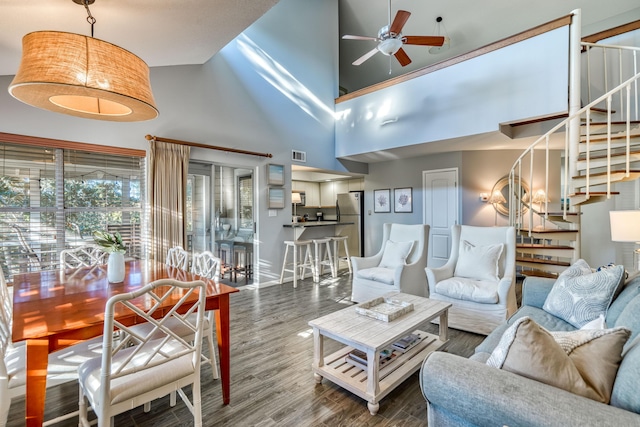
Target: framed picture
276, 198
275, 174
382, 200
403, 199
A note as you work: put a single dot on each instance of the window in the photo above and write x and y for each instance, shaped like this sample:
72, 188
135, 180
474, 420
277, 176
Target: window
245, 202
55, 198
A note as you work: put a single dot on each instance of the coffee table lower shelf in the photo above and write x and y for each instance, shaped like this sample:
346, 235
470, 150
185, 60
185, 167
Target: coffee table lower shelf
355, 379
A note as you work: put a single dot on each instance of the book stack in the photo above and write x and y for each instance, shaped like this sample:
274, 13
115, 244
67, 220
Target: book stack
406, 343
359, 358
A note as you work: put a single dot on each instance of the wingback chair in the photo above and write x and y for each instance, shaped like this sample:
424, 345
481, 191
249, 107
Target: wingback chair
398, 266
478, 279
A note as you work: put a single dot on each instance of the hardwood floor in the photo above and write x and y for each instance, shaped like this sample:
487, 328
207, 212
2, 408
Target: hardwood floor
271, 379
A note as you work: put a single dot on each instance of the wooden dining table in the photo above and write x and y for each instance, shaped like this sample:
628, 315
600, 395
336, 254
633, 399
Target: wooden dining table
53, 309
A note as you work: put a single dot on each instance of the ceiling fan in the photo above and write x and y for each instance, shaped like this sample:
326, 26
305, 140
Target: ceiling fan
390, 39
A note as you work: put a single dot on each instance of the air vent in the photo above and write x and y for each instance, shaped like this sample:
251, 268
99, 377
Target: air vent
299, 156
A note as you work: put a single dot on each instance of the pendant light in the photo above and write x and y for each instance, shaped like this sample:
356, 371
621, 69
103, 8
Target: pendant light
83, 76
440, 30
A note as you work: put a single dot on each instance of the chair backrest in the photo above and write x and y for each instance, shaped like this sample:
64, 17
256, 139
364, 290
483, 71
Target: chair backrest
6, 317
83, 256
206, 264
178, 257
480, 236
418, 233
133, 351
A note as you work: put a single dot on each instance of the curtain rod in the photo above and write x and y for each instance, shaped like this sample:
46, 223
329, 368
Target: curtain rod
212, 147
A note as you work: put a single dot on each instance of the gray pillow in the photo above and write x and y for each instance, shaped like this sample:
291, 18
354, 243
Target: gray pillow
580, 296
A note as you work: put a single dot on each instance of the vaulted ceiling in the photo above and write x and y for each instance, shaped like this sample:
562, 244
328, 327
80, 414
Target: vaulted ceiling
173, 32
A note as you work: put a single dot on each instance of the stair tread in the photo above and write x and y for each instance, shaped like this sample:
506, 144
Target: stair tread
605, 173
582, 157
583, 139
594, 193
543, 261
541, 246
617, 122
561, 213
539, 273
548, 230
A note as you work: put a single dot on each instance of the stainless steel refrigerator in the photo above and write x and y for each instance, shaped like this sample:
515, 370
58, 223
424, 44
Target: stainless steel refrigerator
350, 208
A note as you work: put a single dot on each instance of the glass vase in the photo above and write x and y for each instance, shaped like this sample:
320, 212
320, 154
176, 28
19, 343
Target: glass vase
115, 267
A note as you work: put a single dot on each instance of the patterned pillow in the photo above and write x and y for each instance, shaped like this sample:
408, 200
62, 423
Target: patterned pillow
580, 296
583, 362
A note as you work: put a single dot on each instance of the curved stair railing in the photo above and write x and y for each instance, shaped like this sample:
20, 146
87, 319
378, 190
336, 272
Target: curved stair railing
613, 137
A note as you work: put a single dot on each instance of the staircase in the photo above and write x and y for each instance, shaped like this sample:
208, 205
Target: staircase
601, 147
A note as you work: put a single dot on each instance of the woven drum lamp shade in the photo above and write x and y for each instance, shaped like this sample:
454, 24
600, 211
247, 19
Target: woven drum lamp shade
84, 77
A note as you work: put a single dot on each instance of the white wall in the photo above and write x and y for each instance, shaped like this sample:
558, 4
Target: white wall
270, 90
523, 80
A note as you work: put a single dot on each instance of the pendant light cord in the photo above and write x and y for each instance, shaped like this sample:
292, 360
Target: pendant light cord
90, 19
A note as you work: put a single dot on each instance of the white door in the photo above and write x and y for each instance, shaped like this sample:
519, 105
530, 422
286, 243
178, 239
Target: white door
440, 211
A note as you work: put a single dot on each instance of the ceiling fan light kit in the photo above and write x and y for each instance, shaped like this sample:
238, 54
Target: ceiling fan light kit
83, 76
441, 30
390, 39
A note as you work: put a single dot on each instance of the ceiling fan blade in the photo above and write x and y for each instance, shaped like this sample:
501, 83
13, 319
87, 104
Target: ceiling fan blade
350, 37
402, 57
424, 40
365, 56
399, 21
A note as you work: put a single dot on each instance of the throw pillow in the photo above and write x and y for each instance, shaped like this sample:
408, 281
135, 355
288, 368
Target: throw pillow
583, 362
478, 262
597, 323
395, 254
579, 296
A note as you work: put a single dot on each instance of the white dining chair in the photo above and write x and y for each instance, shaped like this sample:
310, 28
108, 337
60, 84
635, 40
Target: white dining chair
83, 256
207, 265
135, 368
62, 367
178, 257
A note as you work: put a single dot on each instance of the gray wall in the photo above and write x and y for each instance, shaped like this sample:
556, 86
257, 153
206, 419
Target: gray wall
270, 90
478, 171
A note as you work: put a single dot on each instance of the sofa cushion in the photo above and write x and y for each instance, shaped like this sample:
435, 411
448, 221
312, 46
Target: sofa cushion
625, 390
580, 296
583, 362
542, 318
630, 318
378, 274
478, 262
395, 254
469, 290
629, 291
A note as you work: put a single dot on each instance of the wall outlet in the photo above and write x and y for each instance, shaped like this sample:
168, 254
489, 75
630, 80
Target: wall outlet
273, 212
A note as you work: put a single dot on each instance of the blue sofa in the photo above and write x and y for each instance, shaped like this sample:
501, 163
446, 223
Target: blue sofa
467, 392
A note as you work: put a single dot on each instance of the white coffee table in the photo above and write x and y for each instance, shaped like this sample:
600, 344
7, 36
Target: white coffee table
371, 336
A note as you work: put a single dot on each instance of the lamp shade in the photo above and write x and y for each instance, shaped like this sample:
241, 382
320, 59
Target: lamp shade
295, 198
83, 76
540, 197
625, 226
497, 197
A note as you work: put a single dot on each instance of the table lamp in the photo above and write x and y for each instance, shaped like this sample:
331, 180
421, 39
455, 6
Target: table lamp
496, 197
539, 198
295, 199
625, 227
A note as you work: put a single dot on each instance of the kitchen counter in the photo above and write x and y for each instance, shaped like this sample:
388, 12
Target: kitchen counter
315, 224
316, 229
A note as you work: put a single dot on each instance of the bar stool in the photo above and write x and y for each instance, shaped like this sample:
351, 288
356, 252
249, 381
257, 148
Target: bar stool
296, 265
336, 241
242, 261
321, 260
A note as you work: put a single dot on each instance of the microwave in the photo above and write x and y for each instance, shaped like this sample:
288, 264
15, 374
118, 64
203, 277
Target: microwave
303, 197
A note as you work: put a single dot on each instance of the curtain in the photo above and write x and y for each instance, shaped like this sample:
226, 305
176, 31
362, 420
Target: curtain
168, 168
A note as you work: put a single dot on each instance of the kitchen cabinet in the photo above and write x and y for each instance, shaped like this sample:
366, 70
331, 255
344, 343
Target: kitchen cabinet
356, 184
327, 194
311, 191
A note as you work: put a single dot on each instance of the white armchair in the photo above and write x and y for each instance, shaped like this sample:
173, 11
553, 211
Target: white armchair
478, 279
398, 266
